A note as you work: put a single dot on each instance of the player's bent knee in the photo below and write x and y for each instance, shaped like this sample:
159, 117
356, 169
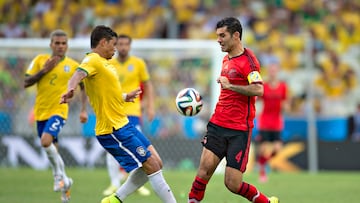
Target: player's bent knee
151, 165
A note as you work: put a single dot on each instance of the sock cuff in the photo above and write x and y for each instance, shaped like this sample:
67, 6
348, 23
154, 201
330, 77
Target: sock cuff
197, 178
153, 174
51, 147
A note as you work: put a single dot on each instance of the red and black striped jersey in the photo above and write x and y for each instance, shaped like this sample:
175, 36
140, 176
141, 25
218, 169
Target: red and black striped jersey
234, 110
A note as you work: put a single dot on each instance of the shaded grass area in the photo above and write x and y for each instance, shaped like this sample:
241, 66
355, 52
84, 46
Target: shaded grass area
20, 185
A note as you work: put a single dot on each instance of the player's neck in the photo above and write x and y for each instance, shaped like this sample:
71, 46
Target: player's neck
274, 82
236, 52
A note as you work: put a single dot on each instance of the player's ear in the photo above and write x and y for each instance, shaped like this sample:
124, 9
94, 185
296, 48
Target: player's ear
102, 41
236, 34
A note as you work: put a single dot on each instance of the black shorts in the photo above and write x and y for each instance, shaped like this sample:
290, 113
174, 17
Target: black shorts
229, 143
268, 136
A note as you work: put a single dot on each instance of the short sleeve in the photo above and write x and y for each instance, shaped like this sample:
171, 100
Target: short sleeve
88, 65
33, 67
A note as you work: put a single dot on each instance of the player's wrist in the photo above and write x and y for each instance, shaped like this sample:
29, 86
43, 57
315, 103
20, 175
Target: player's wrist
124, 95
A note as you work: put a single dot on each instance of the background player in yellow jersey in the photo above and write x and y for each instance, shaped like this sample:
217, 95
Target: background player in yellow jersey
132, 73
120, 138
50, 73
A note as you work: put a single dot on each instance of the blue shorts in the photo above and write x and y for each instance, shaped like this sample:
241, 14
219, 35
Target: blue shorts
52, 126
127, 146
135, 120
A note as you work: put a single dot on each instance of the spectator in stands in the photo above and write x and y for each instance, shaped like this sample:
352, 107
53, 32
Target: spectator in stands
334, 82
12, 29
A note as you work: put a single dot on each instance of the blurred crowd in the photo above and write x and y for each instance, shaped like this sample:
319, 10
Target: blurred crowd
277, 30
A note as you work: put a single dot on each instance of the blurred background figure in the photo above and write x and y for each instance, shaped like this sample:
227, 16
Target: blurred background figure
355, 125
50, 73
271, 121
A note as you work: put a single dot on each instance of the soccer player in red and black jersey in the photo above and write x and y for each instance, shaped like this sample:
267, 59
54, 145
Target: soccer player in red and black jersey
270, 122
229, 129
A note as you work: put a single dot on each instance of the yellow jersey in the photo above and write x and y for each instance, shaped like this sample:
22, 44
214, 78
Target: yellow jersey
51, 86
131, 74
105, 93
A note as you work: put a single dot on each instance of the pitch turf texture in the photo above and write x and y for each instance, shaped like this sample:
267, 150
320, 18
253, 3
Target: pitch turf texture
27, 185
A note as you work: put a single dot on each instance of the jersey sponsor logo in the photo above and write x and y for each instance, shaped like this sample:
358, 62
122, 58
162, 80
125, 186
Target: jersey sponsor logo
141, 151
67, 68
254, 77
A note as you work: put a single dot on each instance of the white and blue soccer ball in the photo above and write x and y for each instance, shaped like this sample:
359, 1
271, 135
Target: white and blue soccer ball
188, 102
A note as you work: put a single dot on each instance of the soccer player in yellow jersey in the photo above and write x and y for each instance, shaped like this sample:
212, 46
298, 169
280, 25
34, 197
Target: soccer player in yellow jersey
113, 131
132, 73
50, 73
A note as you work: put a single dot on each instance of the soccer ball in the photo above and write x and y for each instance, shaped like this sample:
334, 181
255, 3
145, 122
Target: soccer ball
188, 102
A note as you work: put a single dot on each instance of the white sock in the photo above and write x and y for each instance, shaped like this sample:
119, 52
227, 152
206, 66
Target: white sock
114, 170
161, 188
53, 157
62, 168
136, 179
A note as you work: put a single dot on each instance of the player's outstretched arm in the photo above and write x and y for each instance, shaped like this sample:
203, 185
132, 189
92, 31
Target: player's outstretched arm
129, 97
149, 99
83, 98
73, 83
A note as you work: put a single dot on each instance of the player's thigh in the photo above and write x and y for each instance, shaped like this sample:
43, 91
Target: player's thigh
214, 149
208, 163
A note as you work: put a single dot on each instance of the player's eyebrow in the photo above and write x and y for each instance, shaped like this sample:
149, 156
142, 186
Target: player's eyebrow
60, 42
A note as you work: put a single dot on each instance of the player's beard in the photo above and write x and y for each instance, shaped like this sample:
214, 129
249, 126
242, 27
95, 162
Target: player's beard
123, 54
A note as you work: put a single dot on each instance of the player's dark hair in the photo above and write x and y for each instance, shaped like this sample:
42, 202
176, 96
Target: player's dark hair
100, 32
57, 33
124, 36
232, 25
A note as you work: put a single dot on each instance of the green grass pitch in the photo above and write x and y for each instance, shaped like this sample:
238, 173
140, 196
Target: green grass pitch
22, 185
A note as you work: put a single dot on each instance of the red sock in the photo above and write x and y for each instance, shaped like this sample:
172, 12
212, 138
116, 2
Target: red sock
262, 163
198, 189
252, 194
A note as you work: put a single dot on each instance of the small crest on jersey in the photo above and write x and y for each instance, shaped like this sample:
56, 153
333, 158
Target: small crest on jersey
130, 67
141, 151
254, 77
67, 68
